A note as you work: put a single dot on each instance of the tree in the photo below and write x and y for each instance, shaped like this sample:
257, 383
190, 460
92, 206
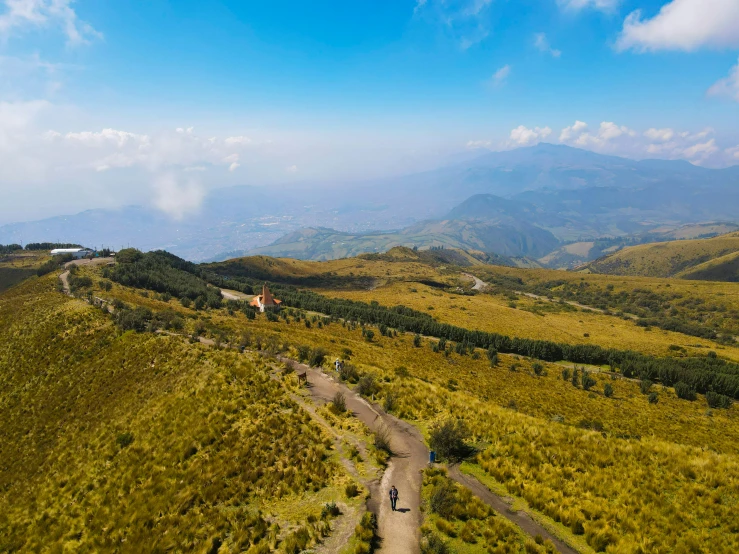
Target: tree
128, 256
587, 381
492, 354
684, 391
448, 439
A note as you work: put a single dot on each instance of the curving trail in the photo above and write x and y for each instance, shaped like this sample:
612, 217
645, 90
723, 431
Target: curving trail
400, 531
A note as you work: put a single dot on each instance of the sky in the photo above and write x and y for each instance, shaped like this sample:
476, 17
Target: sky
105, 104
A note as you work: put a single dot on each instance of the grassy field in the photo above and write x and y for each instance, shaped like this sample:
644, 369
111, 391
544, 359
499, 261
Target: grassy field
138, 442
666, 259
634, 470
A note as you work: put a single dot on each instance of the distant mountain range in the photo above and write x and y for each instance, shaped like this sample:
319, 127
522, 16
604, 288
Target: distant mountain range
527, 203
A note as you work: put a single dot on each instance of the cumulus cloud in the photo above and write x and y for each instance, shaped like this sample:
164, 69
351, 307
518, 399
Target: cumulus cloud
24, 14
683, 25
604, 5
698, 147
175, 197
573, 130
541, 42
728, 86
733, 152
523, 136
659, 135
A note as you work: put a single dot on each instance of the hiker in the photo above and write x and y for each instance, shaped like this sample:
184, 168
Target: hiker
337, 364
393, 497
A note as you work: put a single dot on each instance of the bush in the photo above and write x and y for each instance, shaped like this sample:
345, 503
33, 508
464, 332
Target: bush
381, 439
538, 368
417, 341
349, 373
367, 386
317, 357
587, 381
653, 398
128, 256
443, 499
684, 391
645, 385
448, 440
330, 509
351, 490
390, 403
339, 403
565, 374
716, 400
492, 355
124, 439
402, 372
433, 544
608, 390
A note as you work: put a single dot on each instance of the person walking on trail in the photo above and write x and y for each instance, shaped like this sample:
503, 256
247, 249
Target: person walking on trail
337, 364
393, 497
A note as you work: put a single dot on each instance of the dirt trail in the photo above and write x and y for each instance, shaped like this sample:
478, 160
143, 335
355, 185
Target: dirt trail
399, 531
479, 283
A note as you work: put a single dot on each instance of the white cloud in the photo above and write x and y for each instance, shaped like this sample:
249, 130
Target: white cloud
523, 136
701, 150
661, 135
541, 42
292, 169
24, 14
465, 22
683, 25
177, 198
234, 166
238, 140
728, 86
604, 5
663, 143
568, 132
499, 77
733, 152
475, 144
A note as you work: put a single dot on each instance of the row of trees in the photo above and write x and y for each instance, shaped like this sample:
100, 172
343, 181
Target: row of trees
162, 271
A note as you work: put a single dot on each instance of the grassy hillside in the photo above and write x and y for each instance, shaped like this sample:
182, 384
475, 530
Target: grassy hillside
667, 474
675, 258
136, 442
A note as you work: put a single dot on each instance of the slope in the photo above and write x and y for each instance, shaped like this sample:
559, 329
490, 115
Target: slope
671, 259
139, 442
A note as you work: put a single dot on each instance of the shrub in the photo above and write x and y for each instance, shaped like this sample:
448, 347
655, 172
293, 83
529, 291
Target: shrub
128, 256
716, 400
317, 357
492, 355
653, 398
608, 390
538, 368
303, 353
330, 509
417, 341
369, 334
448, 439
346, 353
575, 378
443, 499
645, 385
338, 404
390, 403
402, 372
351, 490
367, 386
433, 544
124, 439
349, 373
381, 439
684, 391
587, 381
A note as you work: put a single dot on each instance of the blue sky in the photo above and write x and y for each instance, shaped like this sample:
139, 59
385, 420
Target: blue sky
93, 93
